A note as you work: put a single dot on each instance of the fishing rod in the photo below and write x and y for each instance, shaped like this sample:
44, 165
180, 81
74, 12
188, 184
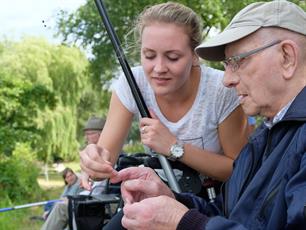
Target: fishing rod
30, 205
134, 88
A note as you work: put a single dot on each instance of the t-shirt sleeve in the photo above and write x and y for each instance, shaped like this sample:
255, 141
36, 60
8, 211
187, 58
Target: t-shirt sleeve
227, 102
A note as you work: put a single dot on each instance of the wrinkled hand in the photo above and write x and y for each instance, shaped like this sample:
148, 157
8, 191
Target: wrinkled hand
155, 135
139, 183
95, 165
158, 213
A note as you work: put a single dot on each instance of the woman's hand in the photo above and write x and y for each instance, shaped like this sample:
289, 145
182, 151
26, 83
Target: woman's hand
95, 165
155, 135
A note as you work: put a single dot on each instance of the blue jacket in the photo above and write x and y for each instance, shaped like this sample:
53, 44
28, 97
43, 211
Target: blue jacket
267, 189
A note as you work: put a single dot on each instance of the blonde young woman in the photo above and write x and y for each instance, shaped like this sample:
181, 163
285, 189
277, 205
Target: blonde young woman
192, 112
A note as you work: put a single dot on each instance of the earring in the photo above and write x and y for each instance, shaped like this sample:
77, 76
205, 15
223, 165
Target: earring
196, 65
196, 62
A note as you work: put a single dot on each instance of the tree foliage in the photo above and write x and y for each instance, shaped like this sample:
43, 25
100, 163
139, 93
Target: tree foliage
42, 95
20, 102
45, 98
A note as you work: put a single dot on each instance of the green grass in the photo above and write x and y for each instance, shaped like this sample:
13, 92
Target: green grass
21, 218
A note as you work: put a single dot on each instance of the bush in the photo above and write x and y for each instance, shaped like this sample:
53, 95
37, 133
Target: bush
18, 181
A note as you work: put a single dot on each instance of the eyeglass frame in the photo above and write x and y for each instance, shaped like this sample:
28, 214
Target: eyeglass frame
234, 61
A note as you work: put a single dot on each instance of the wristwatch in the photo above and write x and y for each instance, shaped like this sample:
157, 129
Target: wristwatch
176, 151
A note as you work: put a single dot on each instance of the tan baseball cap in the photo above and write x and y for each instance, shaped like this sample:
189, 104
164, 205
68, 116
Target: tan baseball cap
278, 13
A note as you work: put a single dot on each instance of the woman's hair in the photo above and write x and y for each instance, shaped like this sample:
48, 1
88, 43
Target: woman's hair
64, 173
170, 12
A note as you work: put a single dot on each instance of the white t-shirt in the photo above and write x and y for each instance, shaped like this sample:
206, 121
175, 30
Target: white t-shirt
199, 125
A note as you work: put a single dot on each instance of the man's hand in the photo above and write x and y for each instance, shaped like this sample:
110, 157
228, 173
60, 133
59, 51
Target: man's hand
160, 213
139, 183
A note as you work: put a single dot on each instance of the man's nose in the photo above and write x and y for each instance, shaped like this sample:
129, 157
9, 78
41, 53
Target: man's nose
230, 78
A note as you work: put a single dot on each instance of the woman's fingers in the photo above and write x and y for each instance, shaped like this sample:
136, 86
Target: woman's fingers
95, 162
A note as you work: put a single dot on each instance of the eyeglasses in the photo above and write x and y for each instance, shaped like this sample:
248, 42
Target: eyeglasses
235, 61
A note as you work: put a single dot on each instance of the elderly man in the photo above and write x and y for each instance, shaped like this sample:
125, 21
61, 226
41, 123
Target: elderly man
58, 218
93, 129
264, 53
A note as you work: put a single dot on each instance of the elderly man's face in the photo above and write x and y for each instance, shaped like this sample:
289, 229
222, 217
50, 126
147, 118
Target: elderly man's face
257, 80
92, 136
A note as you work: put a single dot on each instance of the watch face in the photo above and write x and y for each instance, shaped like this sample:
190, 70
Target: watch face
177, 151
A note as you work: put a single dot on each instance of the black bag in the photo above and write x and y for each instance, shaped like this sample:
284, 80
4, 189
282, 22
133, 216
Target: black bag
85, 213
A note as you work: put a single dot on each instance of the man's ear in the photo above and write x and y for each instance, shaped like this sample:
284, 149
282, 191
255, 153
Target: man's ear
290, 54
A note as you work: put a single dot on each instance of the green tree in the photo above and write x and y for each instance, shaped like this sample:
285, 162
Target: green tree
45, 94
42, 88
20, 102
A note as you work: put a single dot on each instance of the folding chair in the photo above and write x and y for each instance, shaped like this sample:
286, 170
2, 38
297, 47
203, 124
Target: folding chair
90, 212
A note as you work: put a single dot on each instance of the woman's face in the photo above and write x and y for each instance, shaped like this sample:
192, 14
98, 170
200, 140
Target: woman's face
166, 57
70, 178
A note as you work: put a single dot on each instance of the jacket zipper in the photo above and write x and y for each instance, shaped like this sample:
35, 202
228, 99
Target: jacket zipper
268, 199
225, 206
249, 173
254, 166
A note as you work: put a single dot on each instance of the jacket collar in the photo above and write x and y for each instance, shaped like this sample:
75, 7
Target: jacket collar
297, 110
